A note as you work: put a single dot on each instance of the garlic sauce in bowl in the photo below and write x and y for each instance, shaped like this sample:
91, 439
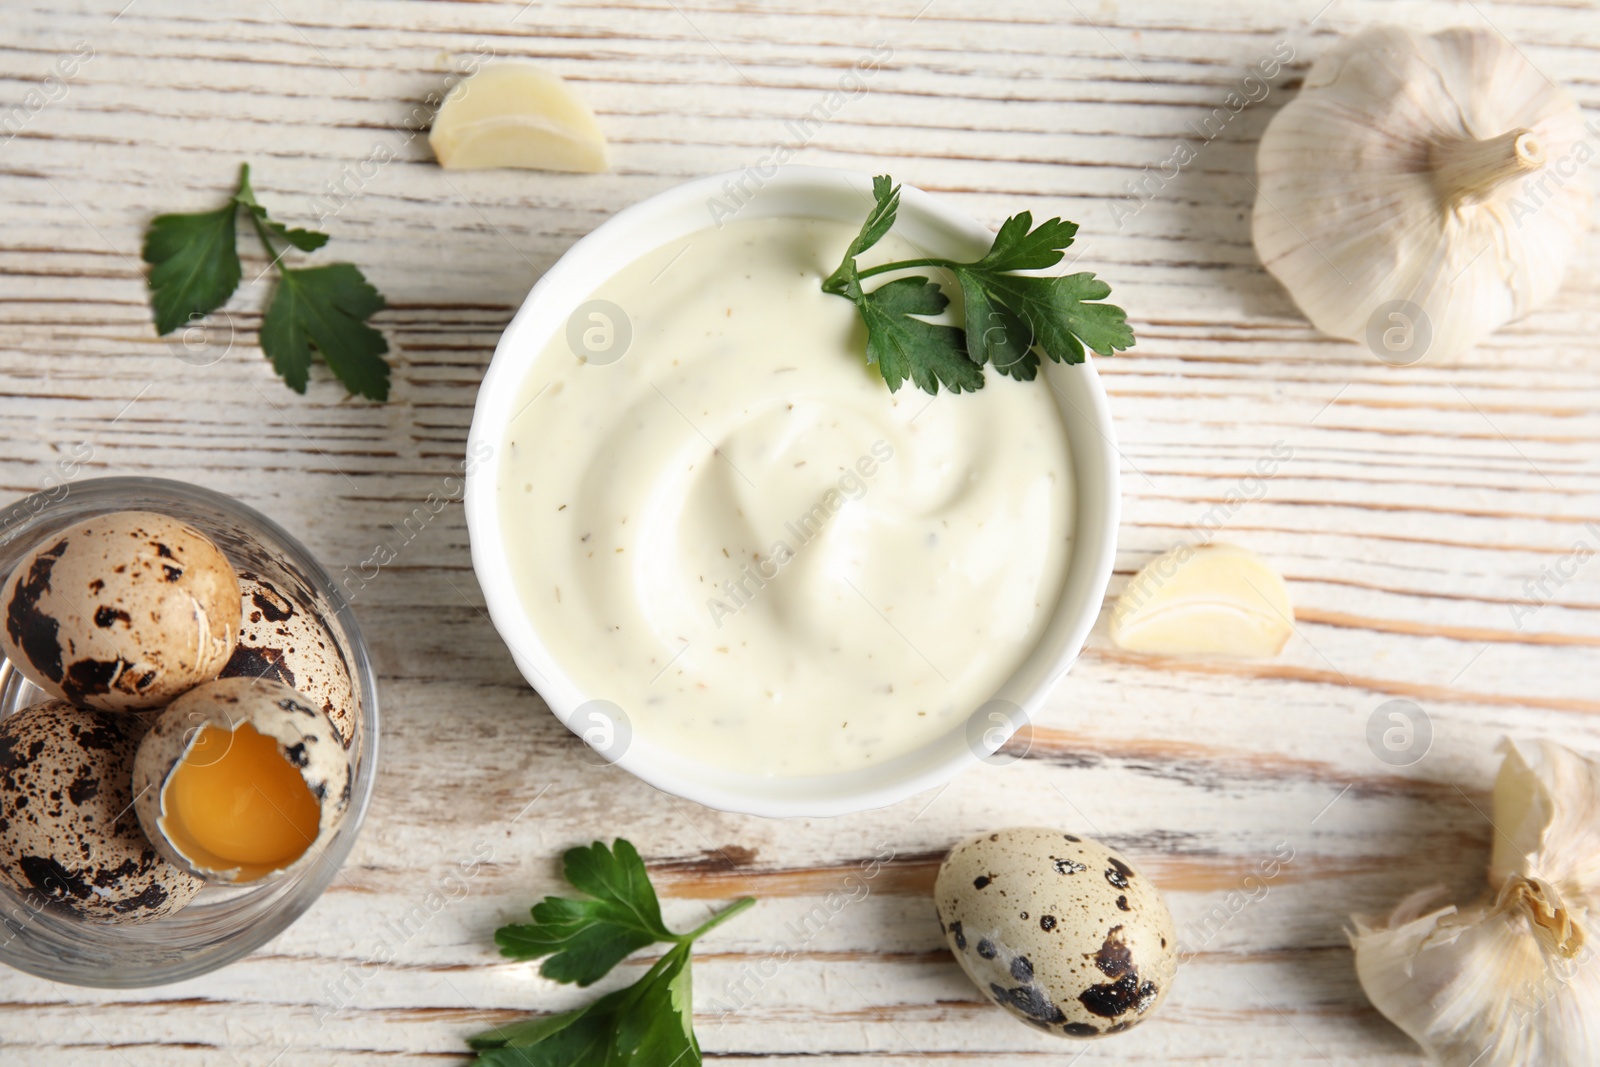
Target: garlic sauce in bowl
733, 531
730, 558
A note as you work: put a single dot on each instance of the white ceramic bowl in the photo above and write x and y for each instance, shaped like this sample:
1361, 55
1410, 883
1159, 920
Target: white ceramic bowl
805, 192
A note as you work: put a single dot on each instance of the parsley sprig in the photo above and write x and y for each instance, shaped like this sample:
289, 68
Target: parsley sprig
649, 1022
1010, 318
194, 269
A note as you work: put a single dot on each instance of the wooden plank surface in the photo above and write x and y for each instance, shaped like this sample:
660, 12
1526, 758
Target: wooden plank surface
1414, 515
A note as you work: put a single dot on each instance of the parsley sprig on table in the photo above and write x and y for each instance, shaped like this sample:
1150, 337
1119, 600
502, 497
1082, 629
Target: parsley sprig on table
650, 1022
1010, 318
194, 269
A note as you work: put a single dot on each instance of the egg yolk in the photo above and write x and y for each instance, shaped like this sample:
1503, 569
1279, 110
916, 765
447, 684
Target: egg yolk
234, 801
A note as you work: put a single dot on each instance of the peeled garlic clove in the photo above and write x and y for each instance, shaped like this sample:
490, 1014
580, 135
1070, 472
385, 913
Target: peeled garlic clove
516, 115
1547, 817
1421, 191
1505, 983
1216, 599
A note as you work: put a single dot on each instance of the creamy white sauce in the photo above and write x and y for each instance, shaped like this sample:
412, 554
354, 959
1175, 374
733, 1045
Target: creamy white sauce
737, 534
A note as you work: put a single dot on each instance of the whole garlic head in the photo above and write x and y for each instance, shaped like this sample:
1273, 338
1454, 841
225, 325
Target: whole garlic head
1421, 191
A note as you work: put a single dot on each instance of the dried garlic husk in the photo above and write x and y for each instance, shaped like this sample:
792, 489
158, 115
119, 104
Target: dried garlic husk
512, 114
1547, 819
1420, 191
1510, 981
1507, 983
1213, 599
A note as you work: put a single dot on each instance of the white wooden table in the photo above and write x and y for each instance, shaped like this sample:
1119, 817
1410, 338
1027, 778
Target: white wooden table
1413, 519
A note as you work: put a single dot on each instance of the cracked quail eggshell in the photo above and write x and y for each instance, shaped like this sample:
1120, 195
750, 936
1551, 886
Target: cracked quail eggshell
123, 611
280, 639
305, 737
1059, 930
68, 833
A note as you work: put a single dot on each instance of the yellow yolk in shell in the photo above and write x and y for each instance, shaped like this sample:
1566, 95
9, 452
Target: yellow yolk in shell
235, 801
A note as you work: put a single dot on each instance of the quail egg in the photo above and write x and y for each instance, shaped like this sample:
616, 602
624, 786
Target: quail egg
68, 833
124, 611
280, 639
241, 780
1059, 930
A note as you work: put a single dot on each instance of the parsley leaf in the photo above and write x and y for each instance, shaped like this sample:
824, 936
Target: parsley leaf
195, 268
326, 307
904, 347
194, 265
586, 938
649, 1022
1052, 314
886, 196
646, 1023
304, 240
1010, 317
1022, 246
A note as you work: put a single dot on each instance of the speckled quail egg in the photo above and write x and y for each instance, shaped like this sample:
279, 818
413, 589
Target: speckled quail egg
123, 611
280, 639
68, 833
1059, 930
241, 780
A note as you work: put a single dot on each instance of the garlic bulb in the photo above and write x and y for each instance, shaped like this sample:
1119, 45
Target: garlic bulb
1547, 819
1422, 190
1507, 983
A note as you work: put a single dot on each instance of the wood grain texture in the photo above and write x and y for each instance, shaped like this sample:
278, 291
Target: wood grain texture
1415, 515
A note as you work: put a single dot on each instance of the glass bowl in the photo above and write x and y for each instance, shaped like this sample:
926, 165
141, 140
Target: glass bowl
222, 923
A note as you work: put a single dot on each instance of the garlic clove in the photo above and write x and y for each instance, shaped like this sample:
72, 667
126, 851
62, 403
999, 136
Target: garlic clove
1421, 191
1505, 983
512, 114
1547, 819
1215, 599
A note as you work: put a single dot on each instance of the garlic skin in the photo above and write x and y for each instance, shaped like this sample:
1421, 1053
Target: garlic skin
1511, 980
1547, 819
1506, 983
1442, 174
